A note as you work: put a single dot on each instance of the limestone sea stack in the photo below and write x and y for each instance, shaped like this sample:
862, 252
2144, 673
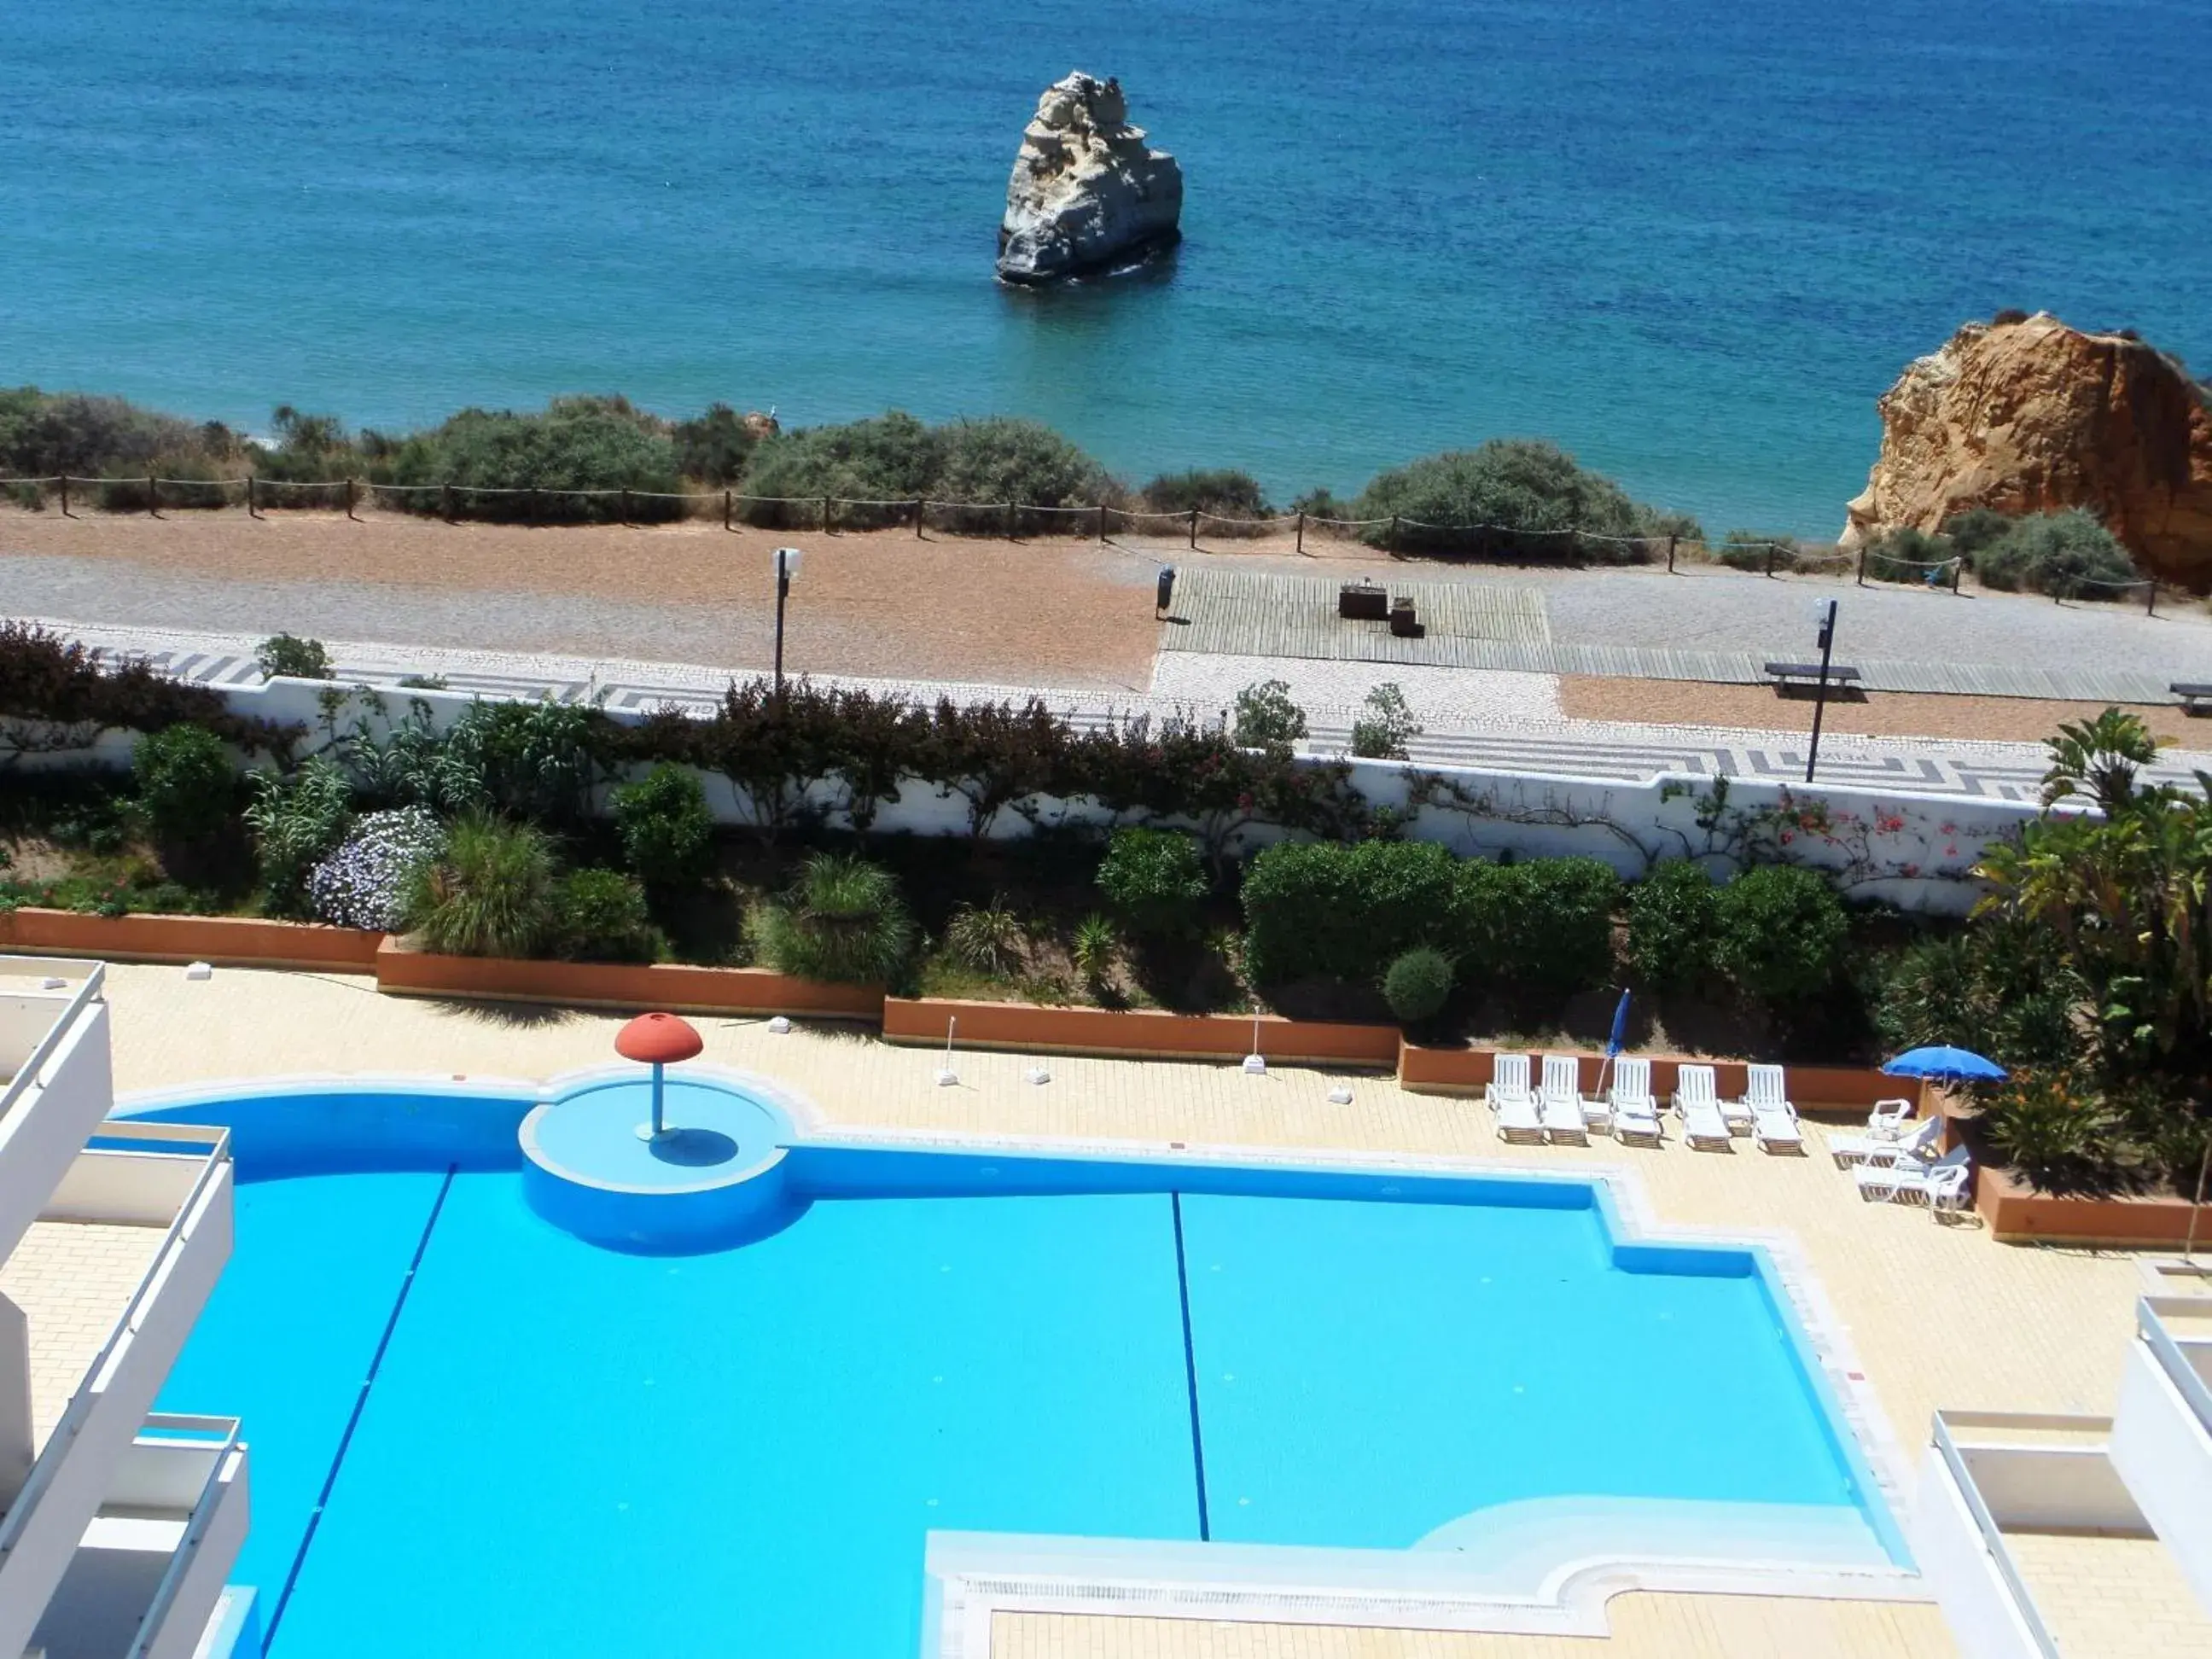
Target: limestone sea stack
1086, 192
2026, 415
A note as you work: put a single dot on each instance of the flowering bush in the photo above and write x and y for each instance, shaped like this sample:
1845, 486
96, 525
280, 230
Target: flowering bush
364, 883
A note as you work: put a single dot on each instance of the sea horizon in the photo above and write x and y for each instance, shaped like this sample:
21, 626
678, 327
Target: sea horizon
1690, 244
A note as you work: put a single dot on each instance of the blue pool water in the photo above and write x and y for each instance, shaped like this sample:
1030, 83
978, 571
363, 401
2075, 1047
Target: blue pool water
1692, 240
569, 1451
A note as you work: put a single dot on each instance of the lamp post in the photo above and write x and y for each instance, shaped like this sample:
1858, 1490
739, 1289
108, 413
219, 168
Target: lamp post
786, 565
1824, 617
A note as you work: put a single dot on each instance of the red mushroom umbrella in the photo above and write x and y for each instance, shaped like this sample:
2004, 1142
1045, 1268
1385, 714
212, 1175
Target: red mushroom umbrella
657, 1040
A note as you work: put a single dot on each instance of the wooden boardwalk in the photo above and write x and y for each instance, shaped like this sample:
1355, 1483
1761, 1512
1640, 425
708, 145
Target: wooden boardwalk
1469, 625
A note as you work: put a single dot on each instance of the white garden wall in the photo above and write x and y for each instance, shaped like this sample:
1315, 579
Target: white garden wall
1912, 850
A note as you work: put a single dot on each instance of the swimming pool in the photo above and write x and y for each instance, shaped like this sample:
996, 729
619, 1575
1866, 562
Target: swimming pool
471, 1429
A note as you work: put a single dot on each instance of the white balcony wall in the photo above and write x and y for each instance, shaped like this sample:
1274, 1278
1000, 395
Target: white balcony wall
1959, 1563
2163, 1450
52, 1113
153, 1572
42, 1530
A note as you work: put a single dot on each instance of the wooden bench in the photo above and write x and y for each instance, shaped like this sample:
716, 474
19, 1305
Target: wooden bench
2196, 697
1782, 673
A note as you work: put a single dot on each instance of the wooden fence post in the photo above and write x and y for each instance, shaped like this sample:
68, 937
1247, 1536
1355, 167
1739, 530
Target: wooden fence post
2151, 609
825, 515
66, 514
1302, 530
349, 496
1862, 564
252, 509
1102, 524
1957, 569
1770, 559
1193, 526
1394, 532
445, 501
625, 504
921, 515
1671, 540
153, 496
1011, 535
729, 498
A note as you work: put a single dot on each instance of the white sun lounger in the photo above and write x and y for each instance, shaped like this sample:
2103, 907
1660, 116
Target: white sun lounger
1560, 1102
1736, 1114
1507, 1094
1775, 1127
1914, 1143
1633, 1114
1910, 1181
1889, 1121
1699, 1108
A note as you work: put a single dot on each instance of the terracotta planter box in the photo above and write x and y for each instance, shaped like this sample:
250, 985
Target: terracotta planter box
234, 941
1137, 1034
620, 985
1464, 1070
2016, 1214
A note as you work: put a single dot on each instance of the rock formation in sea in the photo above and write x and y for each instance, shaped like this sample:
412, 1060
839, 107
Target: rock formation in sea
1086, 192
2026, 415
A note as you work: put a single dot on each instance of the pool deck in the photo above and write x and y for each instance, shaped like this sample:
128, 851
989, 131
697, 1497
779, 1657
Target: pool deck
1935, 1315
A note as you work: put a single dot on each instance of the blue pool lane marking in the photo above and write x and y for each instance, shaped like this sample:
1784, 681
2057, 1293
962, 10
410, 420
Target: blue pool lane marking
360, 1403
1190, 1371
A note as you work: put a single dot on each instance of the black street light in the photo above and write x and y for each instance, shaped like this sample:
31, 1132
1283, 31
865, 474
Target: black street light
1824, 616
787, 566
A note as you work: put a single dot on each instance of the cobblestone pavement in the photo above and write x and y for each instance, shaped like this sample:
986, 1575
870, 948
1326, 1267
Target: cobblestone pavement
1474, 718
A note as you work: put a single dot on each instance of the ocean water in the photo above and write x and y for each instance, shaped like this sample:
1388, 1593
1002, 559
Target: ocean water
1690, 239
563, 1451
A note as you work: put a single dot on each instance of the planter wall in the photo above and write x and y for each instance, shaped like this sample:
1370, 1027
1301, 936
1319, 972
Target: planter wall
1465, 1070
234, 941
1138, 1033
621, 985
2016, 1214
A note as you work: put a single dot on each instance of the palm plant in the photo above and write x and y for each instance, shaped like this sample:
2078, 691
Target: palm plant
2099, 758
1093, 948
844, 921
987, 939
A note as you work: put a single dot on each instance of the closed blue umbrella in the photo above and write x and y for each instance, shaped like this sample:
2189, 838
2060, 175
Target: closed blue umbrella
1946, 1065
1618, 1040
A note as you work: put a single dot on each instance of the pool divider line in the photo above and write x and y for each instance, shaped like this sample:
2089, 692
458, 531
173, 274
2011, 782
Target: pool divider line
1190, 1371
360, 1403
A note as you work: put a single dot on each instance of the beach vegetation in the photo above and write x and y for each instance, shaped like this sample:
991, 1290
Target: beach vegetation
490, 893
1265, 717
1155, 879
843, 920
1518, 496
1222, 493
186, 782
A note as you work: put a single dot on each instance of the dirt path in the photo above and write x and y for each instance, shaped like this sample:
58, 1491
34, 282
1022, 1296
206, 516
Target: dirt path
1879, 714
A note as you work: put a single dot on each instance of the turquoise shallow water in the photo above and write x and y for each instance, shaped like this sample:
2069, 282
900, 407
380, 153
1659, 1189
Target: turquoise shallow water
1692, 240
567, 1451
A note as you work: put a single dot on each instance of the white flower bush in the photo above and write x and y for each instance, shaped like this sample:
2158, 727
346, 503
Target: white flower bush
364, 883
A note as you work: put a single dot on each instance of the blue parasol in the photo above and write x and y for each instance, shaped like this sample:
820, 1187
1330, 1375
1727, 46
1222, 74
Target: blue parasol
1618, 1040
1946, 1065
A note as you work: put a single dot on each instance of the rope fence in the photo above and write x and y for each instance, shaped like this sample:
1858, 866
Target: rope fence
830, 514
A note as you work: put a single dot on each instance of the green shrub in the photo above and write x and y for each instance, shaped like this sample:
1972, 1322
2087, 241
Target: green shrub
490, 893
844, 922
1004, 459
1782, 932
1418, 984
2001, 988
1224, 493
1540, 928
1388, 725
1532, 491
2063, 554
1674, 915
536, 759
1757, 549
985, 938
574, 444
599, 915
283, 656
44, 677
297, 821
1156, 878
45, 434
1265, 718
1908, 555
1093, 949
1977, 528
667, 832
1323, 909
186, 783
714, 446
890, 457
2055, 1128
